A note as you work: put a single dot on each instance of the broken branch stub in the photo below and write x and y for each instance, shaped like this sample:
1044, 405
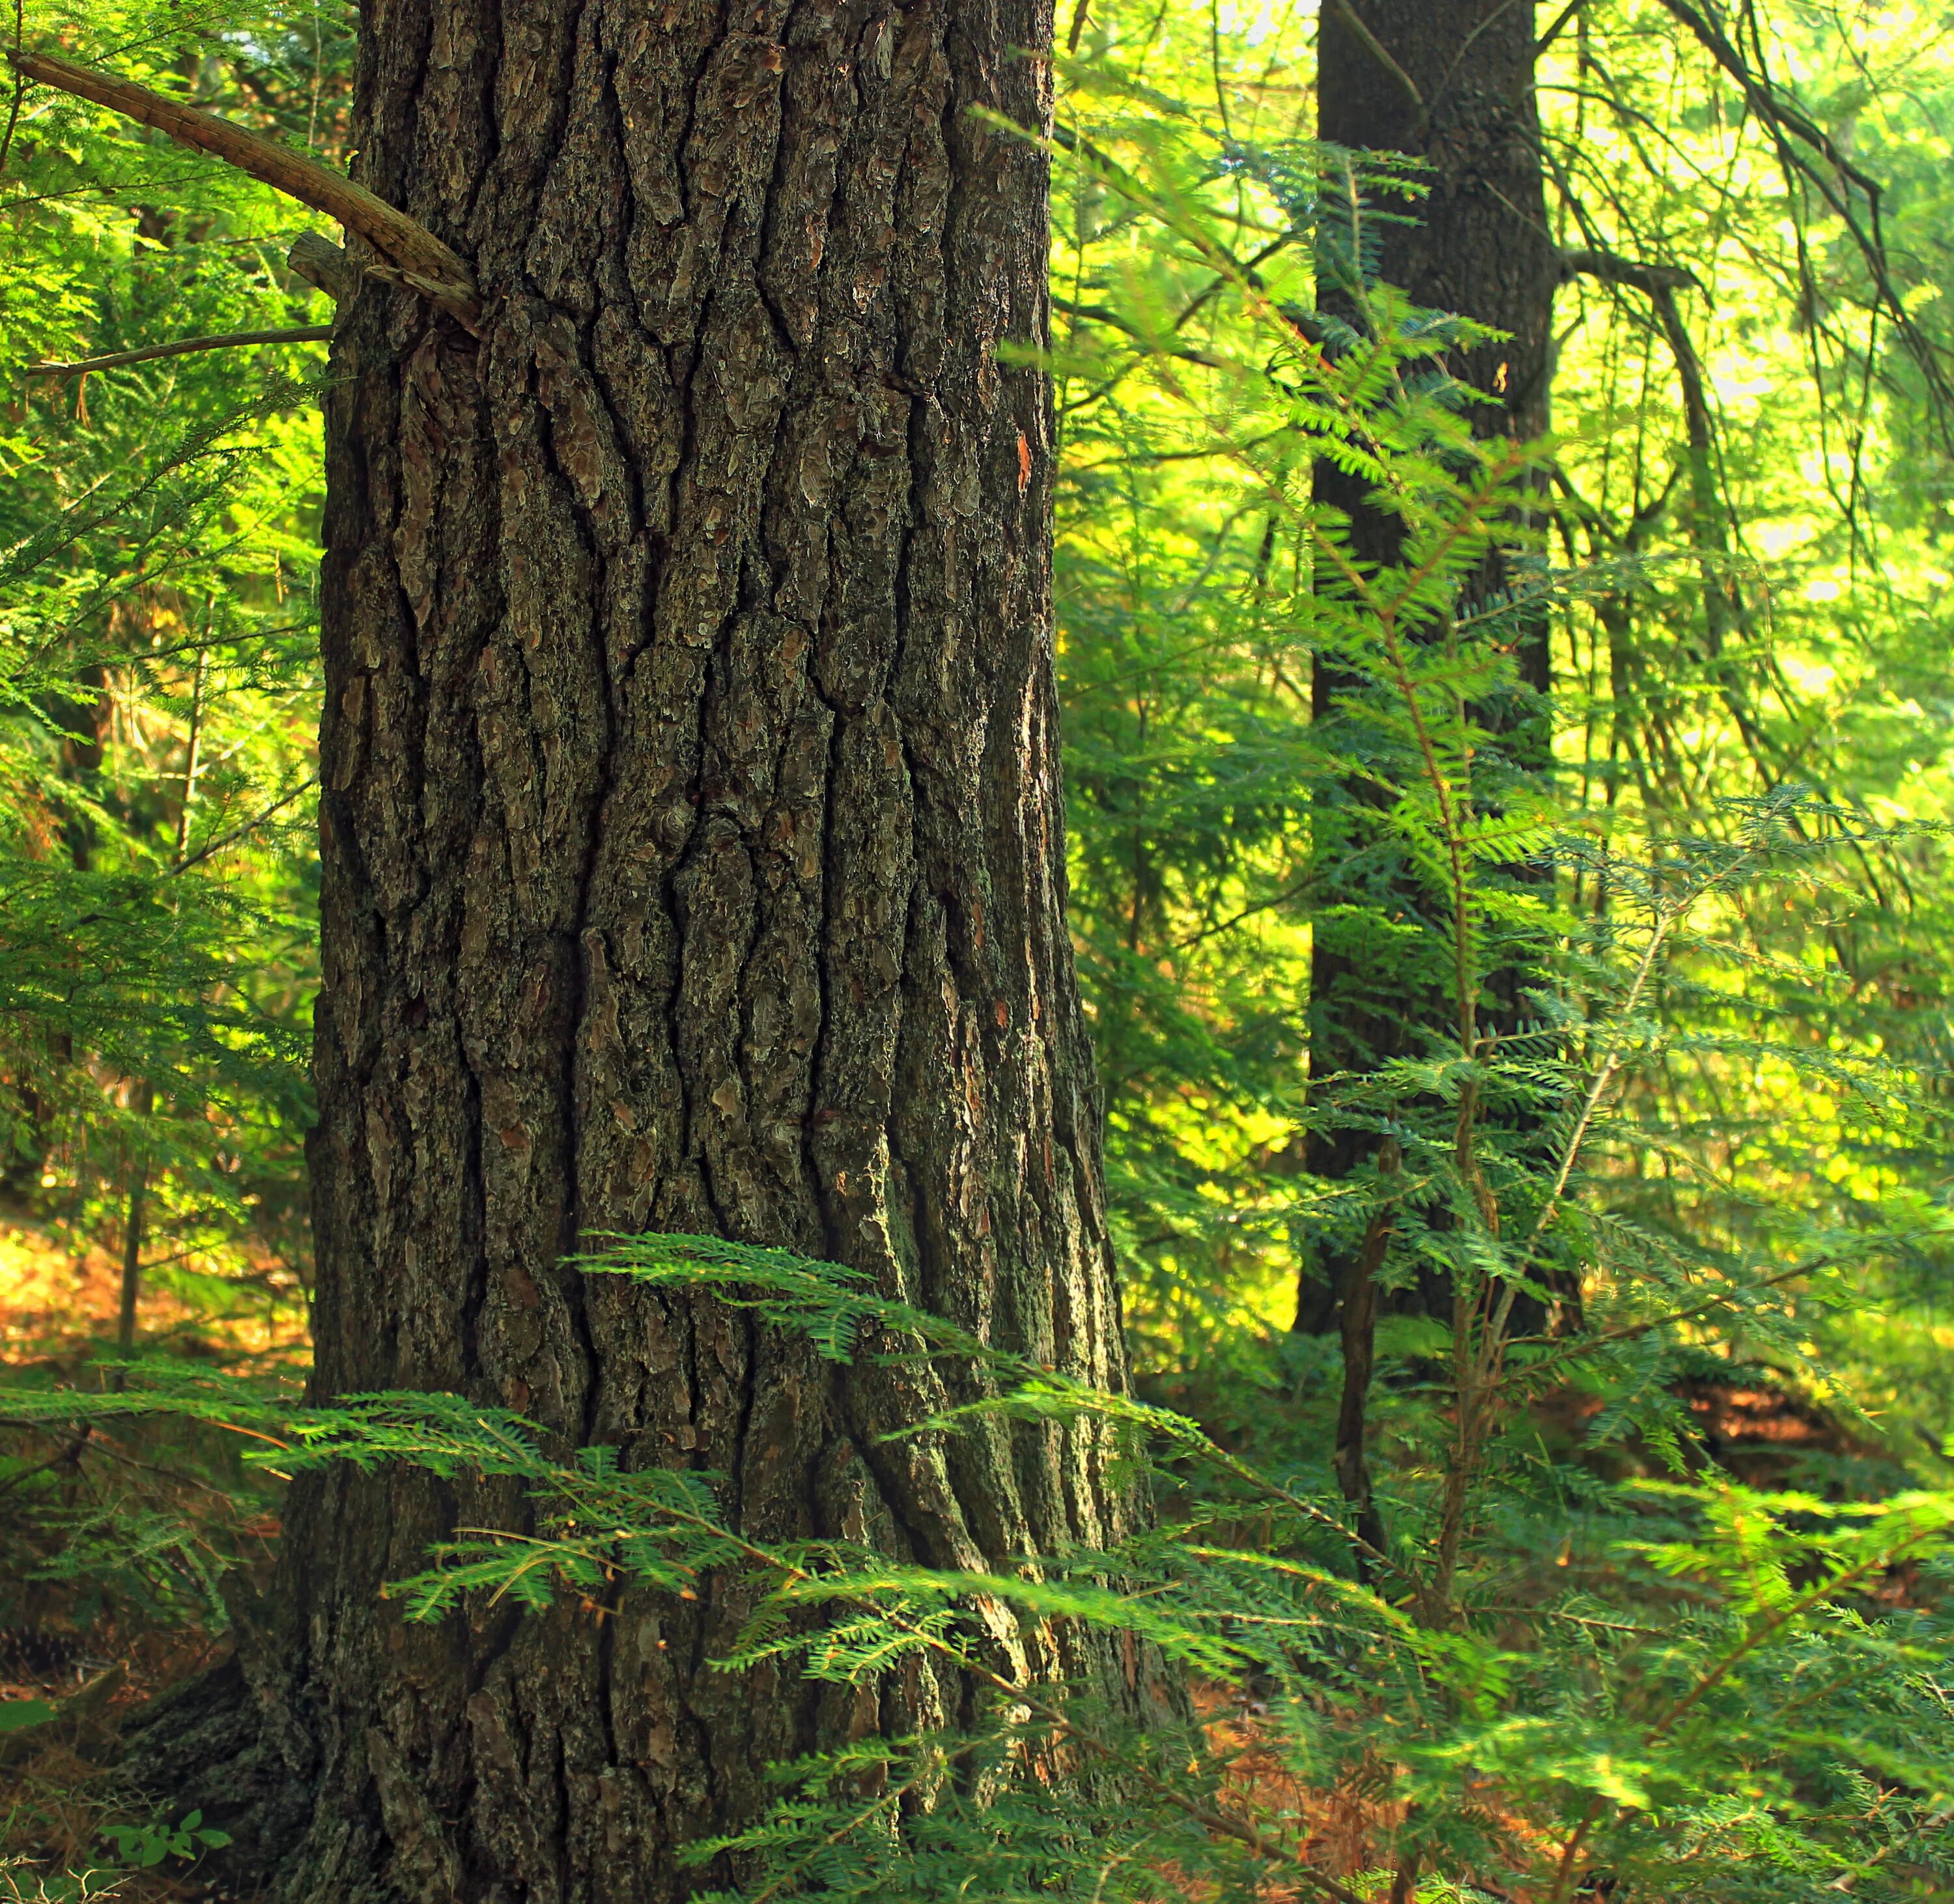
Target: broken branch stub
322, 264
416, 258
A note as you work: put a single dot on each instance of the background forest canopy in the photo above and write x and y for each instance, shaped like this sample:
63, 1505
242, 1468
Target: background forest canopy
1513, 904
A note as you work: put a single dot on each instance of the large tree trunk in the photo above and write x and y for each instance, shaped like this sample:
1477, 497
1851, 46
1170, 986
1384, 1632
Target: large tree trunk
1477, 243
693, 860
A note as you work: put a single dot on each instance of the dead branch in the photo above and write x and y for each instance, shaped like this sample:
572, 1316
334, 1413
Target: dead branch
418, 259
324, 265
226, 341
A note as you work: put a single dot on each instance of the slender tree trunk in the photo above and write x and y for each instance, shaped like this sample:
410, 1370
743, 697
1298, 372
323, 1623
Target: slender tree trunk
1451, 83
693, 860
134, 1211
1357, 1326
142, 1098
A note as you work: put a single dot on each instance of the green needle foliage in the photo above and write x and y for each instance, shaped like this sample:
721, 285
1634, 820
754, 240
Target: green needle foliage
1745, 571
1561, 1652
158, 676
1537, 1679
1729, 1710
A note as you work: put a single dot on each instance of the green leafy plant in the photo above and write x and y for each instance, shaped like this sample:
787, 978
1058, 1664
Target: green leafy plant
144, 1846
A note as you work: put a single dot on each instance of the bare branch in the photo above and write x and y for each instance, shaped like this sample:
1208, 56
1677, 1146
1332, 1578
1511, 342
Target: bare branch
418, 259
1561, 22
1659, 284
183, 347
1791, 128
1650, 279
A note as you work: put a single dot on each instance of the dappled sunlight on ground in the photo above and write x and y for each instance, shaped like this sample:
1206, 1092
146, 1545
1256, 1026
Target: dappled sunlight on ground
55, 1301
155, 1512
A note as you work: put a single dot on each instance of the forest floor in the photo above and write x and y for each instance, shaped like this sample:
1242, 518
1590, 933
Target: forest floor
107, 1583
111, 1543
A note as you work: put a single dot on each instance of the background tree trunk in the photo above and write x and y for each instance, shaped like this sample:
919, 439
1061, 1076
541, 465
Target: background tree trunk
693, 860
1480, 247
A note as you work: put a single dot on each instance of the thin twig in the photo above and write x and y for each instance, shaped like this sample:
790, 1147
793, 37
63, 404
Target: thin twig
1561, 21
250, 827
1348, 16
183, 347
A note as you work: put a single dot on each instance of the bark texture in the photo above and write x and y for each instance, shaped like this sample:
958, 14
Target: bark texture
1480, 247
693, 861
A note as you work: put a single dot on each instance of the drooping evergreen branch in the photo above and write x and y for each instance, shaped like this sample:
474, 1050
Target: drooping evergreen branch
416, 258
1823, 1592
1628, 1331
244, 832
1598, 1089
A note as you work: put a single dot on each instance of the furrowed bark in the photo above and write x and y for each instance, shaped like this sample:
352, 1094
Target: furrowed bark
693, 860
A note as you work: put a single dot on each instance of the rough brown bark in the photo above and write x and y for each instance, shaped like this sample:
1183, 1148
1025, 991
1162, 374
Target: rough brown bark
1480, 246
693, 855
